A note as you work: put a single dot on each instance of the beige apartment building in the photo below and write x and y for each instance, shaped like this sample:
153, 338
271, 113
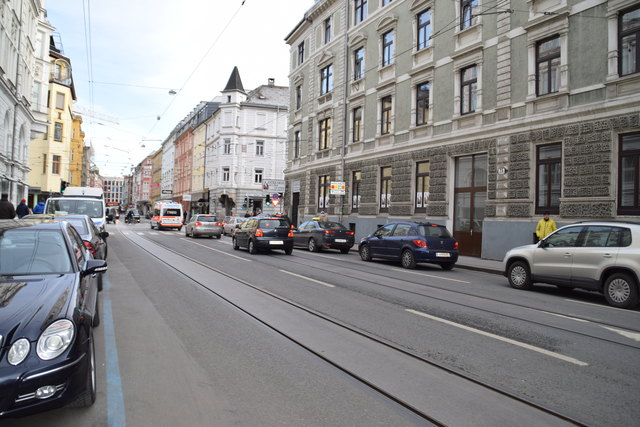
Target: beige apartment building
480, 115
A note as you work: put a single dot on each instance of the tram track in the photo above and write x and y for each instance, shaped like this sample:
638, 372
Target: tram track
352, 329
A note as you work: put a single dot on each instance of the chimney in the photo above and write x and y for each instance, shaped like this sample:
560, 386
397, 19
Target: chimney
272, 81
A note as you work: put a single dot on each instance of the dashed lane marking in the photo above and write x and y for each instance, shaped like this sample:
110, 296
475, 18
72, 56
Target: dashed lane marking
215, 250
503, 339
431, 275
328, 285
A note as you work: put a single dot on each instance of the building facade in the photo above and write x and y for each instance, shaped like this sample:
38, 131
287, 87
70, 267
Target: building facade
24, 78
114, 190
76, 161
480, 116
156, 176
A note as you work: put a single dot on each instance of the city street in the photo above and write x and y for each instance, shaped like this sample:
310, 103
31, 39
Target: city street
195, 333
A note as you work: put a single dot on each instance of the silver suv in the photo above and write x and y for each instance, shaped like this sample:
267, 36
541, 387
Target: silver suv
602, 256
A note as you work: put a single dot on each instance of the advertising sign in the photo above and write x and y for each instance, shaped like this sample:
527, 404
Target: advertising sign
273, 185
338, 187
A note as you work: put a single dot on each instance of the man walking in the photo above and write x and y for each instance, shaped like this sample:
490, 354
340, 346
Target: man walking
545, 226
7, 211
22, 209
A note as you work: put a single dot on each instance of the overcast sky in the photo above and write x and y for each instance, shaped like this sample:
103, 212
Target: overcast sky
142, 49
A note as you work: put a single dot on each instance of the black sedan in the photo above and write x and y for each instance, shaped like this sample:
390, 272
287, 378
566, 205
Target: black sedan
317, 235
411, 243
49, 300
264, 234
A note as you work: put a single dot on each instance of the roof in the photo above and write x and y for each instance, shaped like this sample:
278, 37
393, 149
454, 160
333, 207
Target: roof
234, 83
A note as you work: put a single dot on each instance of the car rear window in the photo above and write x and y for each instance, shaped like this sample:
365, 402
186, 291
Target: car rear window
206, 219
433, 231
272, 223
331, 226
172, 212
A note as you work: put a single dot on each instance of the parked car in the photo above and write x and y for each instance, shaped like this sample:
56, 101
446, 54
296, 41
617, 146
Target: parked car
317, 235
602, 256
229, 224
132, 216
49, 309
411, 243
203, 225
264, 234
94, 239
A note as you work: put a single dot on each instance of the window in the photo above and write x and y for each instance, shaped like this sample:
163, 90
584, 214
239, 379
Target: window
225, 174
629, 41
357, 124
55, 164
259, 148
358, 63
468, 89
385, 188
355, 190
323, 191
298, 97
422, 186
629, 175
44, 163
227, 146
387, 48
326, 79
360, 11
296, 144
257, 176
301, 53
548, 177
60, 101
327, 30
325, 133
385, 2
467, 17
548, 65
422, 103
385, 118
57, 131
424, 29
384, 231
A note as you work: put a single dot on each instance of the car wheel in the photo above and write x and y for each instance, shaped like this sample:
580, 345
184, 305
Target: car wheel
344, 250
235, 244
447, 265
312, 245
218, 236
186, 232
179, 228
96, 314
88, 396
252, 247
408, 260
365, 253
519, 275
288, 251
620, 290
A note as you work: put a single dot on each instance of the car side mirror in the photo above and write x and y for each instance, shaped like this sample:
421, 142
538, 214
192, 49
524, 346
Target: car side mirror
104, 234
543, 244
95, 266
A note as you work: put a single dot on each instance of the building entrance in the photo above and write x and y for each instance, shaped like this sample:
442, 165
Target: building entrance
470, 199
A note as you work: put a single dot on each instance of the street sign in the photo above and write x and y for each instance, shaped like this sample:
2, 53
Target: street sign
275, 196
276, 185
338, 187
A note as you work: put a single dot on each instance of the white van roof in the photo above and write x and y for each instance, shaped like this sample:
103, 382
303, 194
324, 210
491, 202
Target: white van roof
83, 192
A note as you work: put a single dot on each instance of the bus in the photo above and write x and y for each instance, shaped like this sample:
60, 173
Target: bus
166, 214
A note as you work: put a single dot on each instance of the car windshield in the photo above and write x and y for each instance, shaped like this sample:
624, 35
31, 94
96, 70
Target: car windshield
433, 231
93, 208
172, 212
273, 223
206, 218
331, 226
27, 251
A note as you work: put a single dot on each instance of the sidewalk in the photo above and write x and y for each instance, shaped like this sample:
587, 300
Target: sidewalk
486, 265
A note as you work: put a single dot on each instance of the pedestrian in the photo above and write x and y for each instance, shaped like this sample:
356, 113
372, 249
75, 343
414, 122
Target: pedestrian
323, 217
7, 211
39, 208
22, 209
545, 226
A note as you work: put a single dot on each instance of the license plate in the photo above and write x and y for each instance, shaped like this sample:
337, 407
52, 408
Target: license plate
340, 240
276, 242
443, 254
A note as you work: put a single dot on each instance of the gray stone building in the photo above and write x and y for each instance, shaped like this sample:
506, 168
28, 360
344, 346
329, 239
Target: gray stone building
480, 115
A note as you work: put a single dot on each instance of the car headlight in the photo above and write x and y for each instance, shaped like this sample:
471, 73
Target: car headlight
55, 339
18, 351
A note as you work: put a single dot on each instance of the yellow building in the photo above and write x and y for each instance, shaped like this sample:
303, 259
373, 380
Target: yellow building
156, 177
77, 152
50, 154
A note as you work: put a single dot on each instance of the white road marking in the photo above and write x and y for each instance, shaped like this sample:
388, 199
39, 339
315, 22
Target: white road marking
565, 317
632, 335
216, 250
328, 285
139, 233
431, 275
504, 339
597, 305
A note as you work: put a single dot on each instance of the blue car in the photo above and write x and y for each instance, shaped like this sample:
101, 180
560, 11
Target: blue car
411, 243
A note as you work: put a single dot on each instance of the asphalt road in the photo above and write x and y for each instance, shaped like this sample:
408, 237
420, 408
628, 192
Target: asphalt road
213, 339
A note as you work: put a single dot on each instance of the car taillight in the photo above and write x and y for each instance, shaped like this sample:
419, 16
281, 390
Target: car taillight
219, 224
89, 246
350, 233
329, 231
420, 243
455, 246
259, 233
290, 234
197, 224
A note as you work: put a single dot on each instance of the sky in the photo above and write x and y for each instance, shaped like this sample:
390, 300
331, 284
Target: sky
126, 57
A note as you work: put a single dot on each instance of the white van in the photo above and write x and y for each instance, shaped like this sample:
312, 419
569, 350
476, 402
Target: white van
83, 192
167, 214
93, 206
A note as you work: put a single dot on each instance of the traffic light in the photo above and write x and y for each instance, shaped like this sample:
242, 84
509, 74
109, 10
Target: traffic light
267, 200
63, 185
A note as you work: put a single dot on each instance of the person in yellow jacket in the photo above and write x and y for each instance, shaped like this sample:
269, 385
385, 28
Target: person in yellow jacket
545, 226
